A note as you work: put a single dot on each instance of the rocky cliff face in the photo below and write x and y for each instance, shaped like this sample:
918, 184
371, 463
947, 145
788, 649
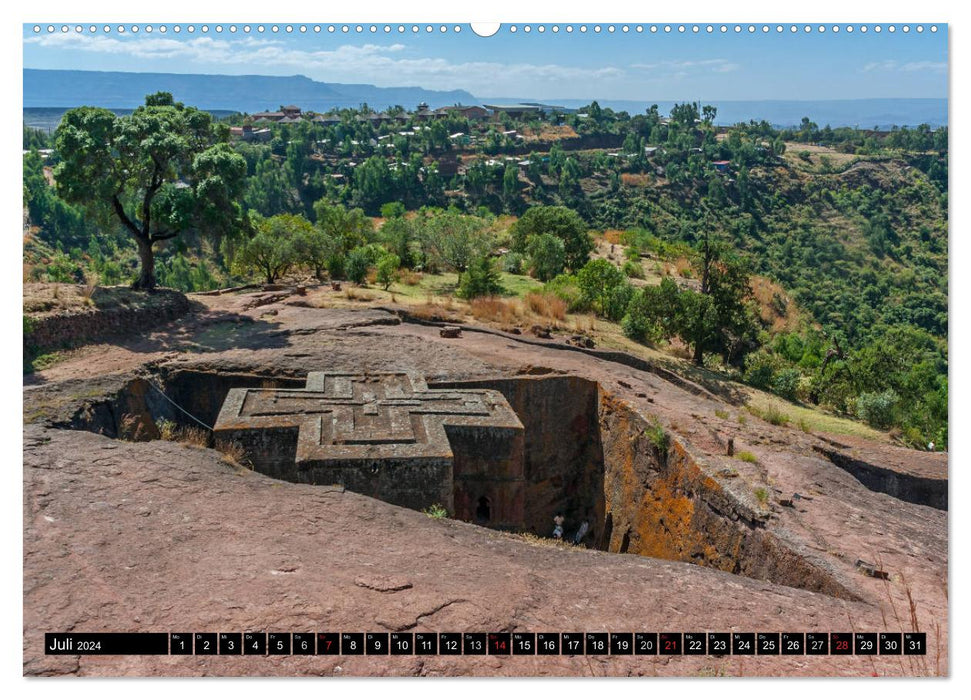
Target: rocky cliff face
663, 501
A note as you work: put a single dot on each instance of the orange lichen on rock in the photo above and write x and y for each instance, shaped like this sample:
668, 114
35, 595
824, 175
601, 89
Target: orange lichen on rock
660, 502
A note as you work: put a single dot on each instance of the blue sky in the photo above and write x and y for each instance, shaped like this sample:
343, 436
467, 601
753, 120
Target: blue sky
547, 66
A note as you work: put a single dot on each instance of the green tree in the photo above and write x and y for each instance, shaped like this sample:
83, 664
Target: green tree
387, 270
653, 312
269, 190
398, 236
35, 138
729, 289
350, 227
563, 223
597, 281
159, 171
60, 223
271, 251
726, 324
359, 261
547, 256
697, 322
314, 248
510, 187
454, 240
373, 184
570, 179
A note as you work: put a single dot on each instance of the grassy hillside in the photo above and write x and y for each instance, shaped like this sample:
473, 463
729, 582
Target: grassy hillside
830, 245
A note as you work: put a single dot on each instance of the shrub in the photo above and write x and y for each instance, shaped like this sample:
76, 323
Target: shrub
350, 293
191, 435
387, 272
760, 368
409, 278
770, 415
567, 289
233, 453
362, 259
638, 327
786, 383
512, 263
805, 387
167, 429
650, 313
480, 280
335, 266
877, 408
633, 269
747, 456
658, 436
392, 210
357, 265
436, 511
618, 301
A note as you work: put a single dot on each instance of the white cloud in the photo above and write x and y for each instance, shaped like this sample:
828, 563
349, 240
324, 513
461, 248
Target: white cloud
909, 67
932, 66
684, 68
676, 71
199, 48
879, 65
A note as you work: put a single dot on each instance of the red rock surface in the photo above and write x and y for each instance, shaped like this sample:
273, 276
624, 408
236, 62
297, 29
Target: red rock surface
159, 536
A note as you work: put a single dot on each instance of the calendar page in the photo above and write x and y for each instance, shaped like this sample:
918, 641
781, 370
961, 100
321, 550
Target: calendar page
494, 350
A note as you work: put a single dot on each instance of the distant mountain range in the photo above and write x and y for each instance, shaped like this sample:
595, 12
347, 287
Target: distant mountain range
242, 93
63, 89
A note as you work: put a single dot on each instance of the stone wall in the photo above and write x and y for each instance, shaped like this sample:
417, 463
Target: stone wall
487, 476
203, 393
563, 458
80, 326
